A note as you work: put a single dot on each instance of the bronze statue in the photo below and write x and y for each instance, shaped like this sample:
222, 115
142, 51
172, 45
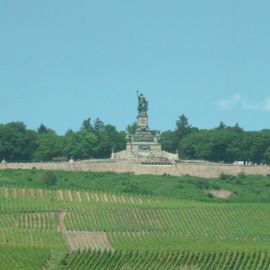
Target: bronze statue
142, 103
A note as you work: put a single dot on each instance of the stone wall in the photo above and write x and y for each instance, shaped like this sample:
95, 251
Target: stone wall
127, 155
178, 169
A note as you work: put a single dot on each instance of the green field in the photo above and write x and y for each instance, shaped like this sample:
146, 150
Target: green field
88, 225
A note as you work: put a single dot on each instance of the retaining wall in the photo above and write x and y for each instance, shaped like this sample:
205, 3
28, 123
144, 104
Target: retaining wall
196, 169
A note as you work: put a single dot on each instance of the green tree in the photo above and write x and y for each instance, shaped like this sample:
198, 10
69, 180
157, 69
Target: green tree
16, 142
168, 141
42, 129
214, 145
80, 144
117, 139
259, 142
182, 126
50, 145
266, 155
98, 126
87, 125
131, 128
221, 125
109, 139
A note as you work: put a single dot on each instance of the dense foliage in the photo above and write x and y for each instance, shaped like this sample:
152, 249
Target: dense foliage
17, 143
227, 144
98, 140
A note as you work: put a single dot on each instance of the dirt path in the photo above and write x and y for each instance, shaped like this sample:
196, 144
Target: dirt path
87, 240
61, 223
82, 239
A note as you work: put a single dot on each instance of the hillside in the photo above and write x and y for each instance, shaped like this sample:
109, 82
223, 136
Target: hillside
243, 188
63, 228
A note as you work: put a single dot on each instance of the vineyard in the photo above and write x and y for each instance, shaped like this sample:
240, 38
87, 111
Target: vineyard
71, 229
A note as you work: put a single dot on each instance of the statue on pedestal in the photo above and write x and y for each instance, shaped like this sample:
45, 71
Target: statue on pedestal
143, 144
142, 103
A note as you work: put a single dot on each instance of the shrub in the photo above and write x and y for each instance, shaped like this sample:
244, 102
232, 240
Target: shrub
180, 186
201, 184
241, 175
222, 176
49, 178
64, 261
131, 188
227, 177
256, 190
238, 182
216, 186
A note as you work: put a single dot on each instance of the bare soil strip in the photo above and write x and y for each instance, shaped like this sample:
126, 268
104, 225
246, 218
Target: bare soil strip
105, 197
82, 239
97, 198
60, 194
6, 192
79, 196
87, 240
70, 196
41, 193
14, 193
222, 193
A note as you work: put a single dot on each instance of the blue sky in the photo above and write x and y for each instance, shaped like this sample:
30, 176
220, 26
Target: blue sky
64, 61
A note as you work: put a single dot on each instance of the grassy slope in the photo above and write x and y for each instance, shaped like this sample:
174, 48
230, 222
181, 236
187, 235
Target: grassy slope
133, 222
245, 188
197, 222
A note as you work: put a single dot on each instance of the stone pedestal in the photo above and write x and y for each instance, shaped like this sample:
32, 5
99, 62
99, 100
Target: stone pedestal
143, 145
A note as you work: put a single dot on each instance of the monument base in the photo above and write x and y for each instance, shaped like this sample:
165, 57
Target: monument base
143, 146
145, 152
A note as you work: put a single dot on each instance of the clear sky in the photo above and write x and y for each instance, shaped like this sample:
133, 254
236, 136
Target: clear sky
63, 61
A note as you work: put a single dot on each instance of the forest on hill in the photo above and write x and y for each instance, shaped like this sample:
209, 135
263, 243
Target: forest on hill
97, 140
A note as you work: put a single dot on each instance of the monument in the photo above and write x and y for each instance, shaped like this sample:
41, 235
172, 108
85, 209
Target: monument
143, 145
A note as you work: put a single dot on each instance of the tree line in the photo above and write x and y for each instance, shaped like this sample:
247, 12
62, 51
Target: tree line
220, 144
97, 140
93, 140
